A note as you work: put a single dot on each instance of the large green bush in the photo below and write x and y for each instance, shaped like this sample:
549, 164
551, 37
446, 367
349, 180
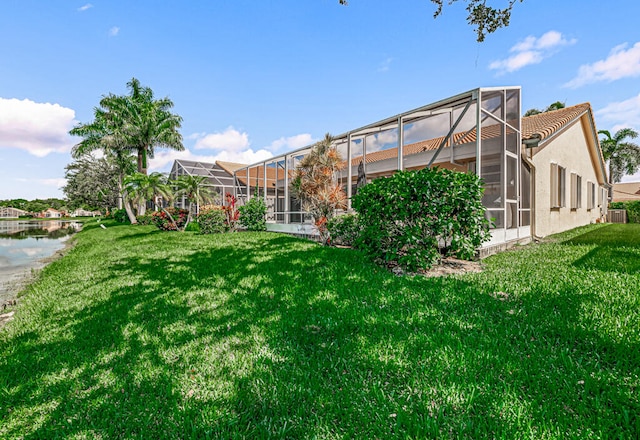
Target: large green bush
253, 214
343, 229
414, 217
632, 207
213, 221
119, 215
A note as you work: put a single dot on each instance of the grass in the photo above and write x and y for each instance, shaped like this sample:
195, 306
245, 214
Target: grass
142, 334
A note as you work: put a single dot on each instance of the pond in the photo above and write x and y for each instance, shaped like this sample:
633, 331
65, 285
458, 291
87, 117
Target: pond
23, 246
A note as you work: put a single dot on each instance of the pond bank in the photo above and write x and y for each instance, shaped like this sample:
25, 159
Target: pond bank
15, 279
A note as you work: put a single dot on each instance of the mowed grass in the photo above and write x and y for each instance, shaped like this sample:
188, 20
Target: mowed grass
142, 334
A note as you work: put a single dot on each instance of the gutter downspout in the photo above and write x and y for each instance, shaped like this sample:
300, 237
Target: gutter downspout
533, 142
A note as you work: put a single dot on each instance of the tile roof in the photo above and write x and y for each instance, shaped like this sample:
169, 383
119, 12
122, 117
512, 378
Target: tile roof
623, 192
545, 125
540, 127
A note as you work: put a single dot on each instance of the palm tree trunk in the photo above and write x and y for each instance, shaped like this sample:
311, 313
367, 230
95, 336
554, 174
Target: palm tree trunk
129, 209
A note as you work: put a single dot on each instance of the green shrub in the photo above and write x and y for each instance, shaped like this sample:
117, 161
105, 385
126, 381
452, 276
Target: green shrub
146, 219
163, 222
119, 215
213, 221
414, 217
253, 214
343, 229
632, 207
193, 227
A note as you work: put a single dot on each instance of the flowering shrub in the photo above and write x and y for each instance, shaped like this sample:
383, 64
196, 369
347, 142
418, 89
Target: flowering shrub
213, 221
163, 220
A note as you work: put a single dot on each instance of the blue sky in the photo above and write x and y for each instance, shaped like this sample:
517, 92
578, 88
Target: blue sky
252, 79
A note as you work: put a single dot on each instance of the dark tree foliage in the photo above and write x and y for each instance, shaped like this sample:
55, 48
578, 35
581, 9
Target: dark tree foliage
91, 183
36, 205
485, 19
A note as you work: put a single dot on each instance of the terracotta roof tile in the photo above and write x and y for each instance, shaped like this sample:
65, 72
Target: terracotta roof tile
544, 125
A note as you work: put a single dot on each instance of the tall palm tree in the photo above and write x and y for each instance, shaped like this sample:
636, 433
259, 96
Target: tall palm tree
623, 156
196, 191
147, 122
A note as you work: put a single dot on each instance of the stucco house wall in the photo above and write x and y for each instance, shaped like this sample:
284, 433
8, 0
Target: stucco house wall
573, 148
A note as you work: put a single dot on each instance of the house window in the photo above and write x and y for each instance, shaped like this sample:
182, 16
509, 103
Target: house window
576, 191
558, 185
591, 195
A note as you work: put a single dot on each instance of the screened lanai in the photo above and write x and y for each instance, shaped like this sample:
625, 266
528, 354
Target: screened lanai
477, 131
219, 177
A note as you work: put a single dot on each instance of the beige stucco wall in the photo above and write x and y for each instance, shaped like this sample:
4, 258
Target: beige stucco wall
569, 149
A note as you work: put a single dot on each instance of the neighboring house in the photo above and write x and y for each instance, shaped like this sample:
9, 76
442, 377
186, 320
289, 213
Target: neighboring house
51, 213
219, 176
626, 192
9, 212
542, 174
84, 213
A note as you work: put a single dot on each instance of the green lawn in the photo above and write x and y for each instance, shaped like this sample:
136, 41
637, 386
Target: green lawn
142, 334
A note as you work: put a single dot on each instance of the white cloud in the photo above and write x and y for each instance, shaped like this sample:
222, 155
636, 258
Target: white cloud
623, 114
114, 31
530, 51
163, 159
285, 144
229, 140
85, 7
385, 65
622, 62
39, 128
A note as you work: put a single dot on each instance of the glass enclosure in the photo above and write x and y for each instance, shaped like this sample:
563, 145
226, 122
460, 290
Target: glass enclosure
477, 131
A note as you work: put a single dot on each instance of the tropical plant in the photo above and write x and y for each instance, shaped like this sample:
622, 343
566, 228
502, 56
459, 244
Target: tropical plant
126, 124
195, 190
315, 184
253, 214
231, 212
105, 133
623, 155
147, 123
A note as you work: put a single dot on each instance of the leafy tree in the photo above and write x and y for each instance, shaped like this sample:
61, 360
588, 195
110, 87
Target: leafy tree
195, 189
316, 185
253, 214
91, 183
555, 106
623, 156
486, 19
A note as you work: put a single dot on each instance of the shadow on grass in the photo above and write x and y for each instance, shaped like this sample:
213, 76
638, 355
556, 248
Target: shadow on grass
260, 335
616, 248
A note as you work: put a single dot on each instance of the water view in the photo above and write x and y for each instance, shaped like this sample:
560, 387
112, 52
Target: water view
23, 246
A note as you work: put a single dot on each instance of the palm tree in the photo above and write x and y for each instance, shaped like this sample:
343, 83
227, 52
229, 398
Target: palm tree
105, 133
623, 156
147, 122
144, 187
195, 190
